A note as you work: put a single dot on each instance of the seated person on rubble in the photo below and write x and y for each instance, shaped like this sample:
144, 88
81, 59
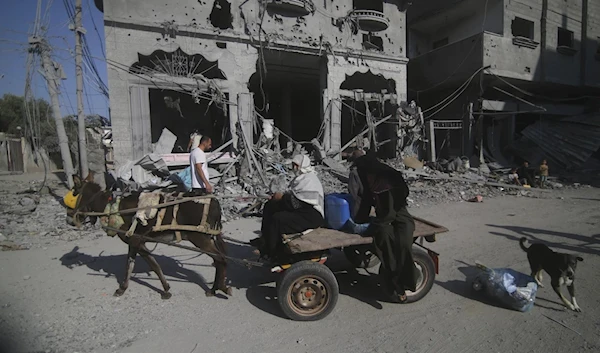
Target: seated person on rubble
298, 209
393, 227
526, 174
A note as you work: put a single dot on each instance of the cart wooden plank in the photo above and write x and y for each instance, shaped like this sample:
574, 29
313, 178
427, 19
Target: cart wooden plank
323, 238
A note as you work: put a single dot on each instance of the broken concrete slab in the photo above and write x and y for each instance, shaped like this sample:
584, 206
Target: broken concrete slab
413, 162
165, 143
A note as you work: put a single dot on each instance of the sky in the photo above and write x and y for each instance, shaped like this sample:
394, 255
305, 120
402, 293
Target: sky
16, 20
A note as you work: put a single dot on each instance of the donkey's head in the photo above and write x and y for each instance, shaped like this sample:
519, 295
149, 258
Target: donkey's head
85, 196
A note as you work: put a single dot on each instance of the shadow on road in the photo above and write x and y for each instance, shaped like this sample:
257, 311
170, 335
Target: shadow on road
585, 198
464, 287
115, 266
585, 245
256, 280
539, 299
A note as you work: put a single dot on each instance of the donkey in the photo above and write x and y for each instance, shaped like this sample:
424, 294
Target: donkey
91, 198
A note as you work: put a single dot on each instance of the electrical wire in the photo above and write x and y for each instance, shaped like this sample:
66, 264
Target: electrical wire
466, 56
86, 53
96, 29
536, 95
451, 99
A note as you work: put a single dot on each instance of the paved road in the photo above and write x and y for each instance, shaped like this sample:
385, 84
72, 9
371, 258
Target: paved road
60, 299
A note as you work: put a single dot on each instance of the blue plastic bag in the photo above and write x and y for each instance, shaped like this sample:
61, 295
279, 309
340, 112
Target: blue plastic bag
184, 178
355, 228
515, 290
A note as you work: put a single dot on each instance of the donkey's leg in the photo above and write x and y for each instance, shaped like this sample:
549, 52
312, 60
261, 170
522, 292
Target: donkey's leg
146, 255
206, 244
221, 264
220, 276
128, 271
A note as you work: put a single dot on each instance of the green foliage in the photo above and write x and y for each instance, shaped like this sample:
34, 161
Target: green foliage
12, 115
42, 128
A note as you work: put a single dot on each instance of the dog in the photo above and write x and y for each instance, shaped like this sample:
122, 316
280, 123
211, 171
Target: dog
561, 268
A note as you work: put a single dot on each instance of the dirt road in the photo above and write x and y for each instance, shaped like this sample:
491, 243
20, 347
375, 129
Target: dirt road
60, 299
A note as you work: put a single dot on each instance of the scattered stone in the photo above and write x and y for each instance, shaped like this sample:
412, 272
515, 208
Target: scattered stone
477, 198
26, 277
26, 202
2, 237
9, 245
413, 162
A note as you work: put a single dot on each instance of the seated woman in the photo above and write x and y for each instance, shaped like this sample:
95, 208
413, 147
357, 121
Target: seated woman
298, 209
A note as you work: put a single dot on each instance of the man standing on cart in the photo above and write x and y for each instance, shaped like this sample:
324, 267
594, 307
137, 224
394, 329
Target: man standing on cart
393, 227
199, 164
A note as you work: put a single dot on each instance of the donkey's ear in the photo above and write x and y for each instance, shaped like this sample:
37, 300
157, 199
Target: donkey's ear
90, 177
77, 181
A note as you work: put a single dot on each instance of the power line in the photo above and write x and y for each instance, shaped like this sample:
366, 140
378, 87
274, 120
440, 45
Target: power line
450, 97
96, 29
89, 62
539, 96
466, 56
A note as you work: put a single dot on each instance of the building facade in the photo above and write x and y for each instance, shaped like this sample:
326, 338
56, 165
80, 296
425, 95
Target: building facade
521, 76
313, 67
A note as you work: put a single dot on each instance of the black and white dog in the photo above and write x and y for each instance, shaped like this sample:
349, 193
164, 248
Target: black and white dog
561, 268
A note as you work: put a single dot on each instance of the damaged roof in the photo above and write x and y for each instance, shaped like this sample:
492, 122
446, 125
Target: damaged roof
570, 141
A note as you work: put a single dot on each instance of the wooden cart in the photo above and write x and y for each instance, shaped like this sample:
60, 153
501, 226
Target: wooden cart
308, 290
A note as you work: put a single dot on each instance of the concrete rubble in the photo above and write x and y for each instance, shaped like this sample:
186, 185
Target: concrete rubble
249, 174
245, 183
41, 222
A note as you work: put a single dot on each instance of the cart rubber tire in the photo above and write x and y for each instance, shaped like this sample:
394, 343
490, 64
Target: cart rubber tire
425, 264
357, 258
307, 291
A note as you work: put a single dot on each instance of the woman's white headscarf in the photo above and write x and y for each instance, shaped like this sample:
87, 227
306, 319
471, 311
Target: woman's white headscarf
195, 140
306, 186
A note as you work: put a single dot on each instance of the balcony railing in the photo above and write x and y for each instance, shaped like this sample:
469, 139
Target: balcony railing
370, 20
525, 42
291, 7
566, 50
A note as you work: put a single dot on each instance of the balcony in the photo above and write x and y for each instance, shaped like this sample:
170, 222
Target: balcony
566, 50
291, 8
525, 42
370, 20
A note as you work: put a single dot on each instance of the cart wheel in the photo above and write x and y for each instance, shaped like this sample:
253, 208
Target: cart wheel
361, 257
425, 265
307, 291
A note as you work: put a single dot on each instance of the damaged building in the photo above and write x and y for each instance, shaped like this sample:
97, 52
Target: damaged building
508, 80
325, 69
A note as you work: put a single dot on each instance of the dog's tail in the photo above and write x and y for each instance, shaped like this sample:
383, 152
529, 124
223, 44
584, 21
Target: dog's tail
522, 243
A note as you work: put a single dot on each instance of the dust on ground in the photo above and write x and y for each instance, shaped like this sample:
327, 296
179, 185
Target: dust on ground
57, 295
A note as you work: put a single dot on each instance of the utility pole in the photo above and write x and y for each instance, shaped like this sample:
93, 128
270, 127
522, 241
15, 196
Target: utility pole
79, 32
51, 74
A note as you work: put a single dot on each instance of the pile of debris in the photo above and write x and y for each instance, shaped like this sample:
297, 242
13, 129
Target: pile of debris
244, 176
35, 218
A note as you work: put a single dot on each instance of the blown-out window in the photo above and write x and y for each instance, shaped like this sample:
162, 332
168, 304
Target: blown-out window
522, 28
565, 38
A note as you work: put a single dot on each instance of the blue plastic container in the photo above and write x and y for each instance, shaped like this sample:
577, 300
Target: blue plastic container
337, 210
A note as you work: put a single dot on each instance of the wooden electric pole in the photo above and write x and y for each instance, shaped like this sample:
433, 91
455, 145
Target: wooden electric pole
79, 32
52, 75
